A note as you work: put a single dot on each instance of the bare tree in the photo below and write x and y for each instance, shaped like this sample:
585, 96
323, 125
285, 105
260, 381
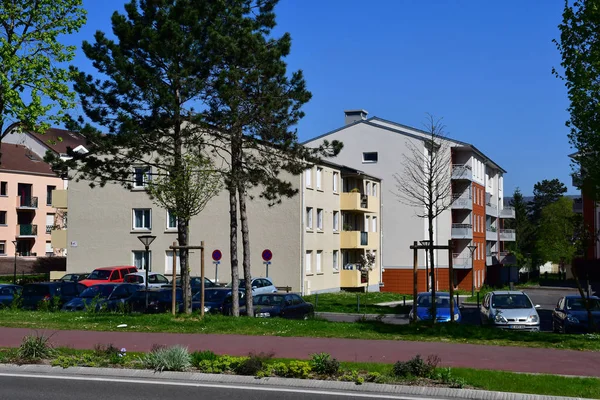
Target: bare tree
425, 183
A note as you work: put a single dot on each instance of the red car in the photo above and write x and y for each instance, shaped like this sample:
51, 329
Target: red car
108, 275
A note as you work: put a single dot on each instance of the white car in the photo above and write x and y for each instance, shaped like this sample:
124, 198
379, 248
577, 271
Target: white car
259, 286
510, 310
155, 280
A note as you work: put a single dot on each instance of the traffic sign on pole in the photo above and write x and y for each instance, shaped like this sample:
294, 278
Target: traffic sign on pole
267, 255
216, 255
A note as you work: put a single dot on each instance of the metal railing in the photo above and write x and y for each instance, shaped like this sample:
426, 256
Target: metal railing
49, 228
462, 201
507, 234
461, 171
27, 202
27, 230
462, 230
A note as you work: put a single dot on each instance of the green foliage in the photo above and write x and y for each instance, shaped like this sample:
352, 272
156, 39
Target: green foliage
522, 246
176, 358
78, 360
34, 85
51, 305
375, 377
353, 376
35, 348
293, 369
253, 364
416, 367
556, 232
545, 193
206, 355
323, 364
444, 375
220, 365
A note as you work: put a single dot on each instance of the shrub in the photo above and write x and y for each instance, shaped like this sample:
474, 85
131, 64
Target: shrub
445, 376
374, 377
35, 348
353, 376
220, 365
253, 364
294, 369
416, 367
82, 360
174, 358
113, 354
206, 355
323, 364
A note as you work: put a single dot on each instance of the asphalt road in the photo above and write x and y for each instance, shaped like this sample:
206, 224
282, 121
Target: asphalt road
77, 388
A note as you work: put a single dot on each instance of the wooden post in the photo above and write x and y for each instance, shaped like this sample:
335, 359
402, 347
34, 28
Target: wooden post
202, 279
451, 280
174, 282
415, 274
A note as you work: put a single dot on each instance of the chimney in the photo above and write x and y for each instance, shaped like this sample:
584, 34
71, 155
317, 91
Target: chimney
352, 116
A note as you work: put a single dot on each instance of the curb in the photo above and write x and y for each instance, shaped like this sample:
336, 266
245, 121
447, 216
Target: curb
233, 380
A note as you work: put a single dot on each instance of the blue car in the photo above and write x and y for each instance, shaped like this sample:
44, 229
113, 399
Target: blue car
442, 301
218, 301
104, 294
8, 293
571, 316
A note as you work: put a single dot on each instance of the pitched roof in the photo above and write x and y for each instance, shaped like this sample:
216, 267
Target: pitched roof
59, 140
17, 158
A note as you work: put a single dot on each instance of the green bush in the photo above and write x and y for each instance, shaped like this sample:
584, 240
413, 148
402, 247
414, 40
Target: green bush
375, 377
35, 348
353, 376
81, 360
252, 365
294, 369
206, 355
220, 365
174, 358
444, 375
323, 364
416, 367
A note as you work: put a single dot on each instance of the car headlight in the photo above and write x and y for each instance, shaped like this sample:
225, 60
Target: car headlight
533, 318
572, 319
456, 317
206, 308
262, 315
499, 319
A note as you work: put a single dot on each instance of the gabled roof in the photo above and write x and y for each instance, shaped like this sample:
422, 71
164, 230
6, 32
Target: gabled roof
17, 158
59, 140
401, 130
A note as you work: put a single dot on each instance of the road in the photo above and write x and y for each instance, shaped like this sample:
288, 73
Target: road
75, 388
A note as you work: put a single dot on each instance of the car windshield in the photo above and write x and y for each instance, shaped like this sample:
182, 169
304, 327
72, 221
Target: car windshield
578, 304
213, 295
100, 275
36, 290
101, 291
507, 301
268, 300
440, 301
134, 279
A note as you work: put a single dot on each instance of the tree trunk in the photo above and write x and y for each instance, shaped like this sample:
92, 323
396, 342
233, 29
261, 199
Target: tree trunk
233, 243
246, 249
183, 228
432, 269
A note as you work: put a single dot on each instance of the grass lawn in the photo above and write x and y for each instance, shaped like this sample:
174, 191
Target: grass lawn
358, 303
280, 327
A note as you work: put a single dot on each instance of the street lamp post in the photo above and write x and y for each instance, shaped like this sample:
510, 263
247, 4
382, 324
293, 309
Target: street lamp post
472, 249
427, 276
147, 241
15, 268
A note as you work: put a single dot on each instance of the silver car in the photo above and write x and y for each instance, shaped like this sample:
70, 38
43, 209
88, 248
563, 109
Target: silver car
510, 310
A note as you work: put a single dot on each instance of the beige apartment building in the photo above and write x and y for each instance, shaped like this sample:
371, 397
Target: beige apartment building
316, 237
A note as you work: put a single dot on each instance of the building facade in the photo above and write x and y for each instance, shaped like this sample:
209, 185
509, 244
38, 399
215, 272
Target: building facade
474, 219
312, 252
27, 216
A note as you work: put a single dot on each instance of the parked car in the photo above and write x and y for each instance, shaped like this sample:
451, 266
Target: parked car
218, 301
442, 308
35, 293
195, 282
8, 292
104, 294
159, 300
570, 314
510, 310
108, 274
259, 286
155, 280
285, 305
73, 277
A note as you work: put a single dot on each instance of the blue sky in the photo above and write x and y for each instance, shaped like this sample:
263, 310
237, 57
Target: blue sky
485, 67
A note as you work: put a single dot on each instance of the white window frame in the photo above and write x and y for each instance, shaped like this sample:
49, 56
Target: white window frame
3, 247
336, 260
149, 217
309, 218
320, 219
319, 263
308, 261
308, 178
373, 224
319, 178
146, 176
143, 254
169, 263
336, 221
171, 228
370, 161
336, 177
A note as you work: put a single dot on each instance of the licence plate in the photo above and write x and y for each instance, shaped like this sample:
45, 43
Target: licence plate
517, 326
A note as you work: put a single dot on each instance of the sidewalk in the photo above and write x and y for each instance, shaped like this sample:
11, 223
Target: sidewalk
517, 359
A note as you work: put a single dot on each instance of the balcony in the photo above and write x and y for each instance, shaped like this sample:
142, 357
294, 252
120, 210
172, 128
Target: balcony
27, 203
462, 172
59, 199
507, 235
462, 202
26, 230
462, 231
491, 234
491, 258
461, 261
491, 209
507, 258
507, 212
359, 240
359, 202
59, 238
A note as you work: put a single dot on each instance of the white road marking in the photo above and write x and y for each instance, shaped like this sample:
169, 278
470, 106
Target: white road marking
218, 386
